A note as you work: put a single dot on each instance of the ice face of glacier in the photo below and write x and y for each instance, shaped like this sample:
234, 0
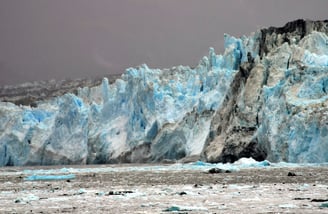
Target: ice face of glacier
265, 97
147, 115
278, 109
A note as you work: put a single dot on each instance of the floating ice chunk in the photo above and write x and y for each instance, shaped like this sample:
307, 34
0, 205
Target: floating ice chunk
81, 191
288, 206
201, 163
245, 161
49, 177
100, 193
250, 162
304, 187
27, 199
177, 208
324, 205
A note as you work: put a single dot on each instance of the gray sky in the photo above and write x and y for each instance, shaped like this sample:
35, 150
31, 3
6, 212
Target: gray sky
58, 39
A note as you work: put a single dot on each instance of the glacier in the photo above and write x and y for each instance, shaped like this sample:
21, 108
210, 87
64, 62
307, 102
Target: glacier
266, 97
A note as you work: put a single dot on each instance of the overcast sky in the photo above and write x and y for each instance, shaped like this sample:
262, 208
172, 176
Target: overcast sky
58, 39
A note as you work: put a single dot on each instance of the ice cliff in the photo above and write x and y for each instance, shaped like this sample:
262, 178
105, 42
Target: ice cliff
266, 97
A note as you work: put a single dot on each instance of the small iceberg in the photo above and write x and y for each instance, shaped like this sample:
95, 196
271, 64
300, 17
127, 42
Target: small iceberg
49, 177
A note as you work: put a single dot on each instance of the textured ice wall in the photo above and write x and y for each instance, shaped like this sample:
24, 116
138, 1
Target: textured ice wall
147, 115
265, 97
295, 107
278, 107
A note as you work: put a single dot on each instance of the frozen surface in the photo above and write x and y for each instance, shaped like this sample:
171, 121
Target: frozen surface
167, 189
69, 172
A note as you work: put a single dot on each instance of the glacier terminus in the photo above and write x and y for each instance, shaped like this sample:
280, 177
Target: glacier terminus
265, 97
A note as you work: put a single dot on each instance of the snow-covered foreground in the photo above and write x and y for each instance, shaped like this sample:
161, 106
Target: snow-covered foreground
246, 187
